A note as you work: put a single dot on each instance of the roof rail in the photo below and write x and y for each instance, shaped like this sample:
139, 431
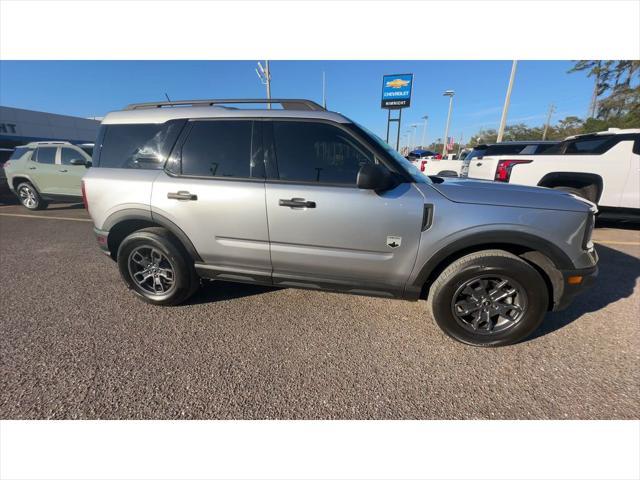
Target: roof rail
287, 104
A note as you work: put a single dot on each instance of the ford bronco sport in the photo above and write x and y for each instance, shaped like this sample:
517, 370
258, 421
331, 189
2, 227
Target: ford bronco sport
302, 197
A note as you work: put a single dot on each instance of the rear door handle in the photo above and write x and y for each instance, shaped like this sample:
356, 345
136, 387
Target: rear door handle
182, 195
296, 203
32, 168
64, 170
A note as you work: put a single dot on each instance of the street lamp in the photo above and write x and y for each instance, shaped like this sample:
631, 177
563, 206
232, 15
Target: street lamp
424, 130
450, 94
413, 133
265, 77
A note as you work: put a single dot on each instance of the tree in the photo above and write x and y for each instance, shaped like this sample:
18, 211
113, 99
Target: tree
617, 83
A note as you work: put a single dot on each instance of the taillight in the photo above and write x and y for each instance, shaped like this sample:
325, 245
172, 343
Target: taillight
84, 197
503, 171
423, 164
438, 156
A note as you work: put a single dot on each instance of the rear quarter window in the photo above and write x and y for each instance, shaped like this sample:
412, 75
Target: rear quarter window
138, 146
19, 153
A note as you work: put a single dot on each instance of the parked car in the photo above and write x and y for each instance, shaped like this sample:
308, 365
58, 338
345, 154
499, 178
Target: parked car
603, 167
415, 155
306, 198
533, 147
5, 154
449, 166
43, 172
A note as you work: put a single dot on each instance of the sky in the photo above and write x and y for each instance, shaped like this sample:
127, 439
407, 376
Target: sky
93, 88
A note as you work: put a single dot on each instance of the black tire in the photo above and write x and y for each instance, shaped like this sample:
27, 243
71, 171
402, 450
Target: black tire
532, 298
29, 196
174, 258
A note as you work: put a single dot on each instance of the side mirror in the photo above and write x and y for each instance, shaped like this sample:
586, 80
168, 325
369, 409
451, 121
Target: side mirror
78, 161
375, 177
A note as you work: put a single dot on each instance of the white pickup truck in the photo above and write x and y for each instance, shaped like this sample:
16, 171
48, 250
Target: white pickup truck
603, 167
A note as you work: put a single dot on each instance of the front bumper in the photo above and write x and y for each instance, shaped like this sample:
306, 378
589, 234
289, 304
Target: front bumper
571, 290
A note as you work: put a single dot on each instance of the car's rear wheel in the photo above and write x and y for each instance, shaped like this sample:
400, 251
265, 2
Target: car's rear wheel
489, 298
29, 197
156, 267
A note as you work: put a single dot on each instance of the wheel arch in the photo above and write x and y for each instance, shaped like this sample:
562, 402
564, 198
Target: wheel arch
574, 180
124, 222
542, 254
21, 178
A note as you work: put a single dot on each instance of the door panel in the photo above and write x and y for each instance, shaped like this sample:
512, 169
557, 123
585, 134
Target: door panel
44, 171
70, 176
226, 221
216, 199
342, 242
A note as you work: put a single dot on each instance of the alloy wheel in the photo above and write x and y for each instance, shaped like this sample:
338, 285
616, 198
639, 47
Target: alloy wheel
27, 197
489, 304
151, 270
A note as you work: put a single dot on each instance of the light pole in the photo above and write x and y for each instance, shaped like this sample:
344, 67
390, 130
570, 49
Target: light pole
507, 100
450, 94
265, 77
415, 137
408, 133
324, 91
424, 130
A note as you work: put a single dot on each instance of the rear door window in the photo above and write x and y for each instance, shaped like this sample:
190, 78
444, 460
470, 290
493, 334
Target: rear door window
144, 146
68, 154
221, 148
317, 153
46, 155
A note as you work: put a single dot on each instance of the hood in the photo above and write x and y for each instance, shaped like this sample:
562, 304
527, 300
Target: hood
486, 192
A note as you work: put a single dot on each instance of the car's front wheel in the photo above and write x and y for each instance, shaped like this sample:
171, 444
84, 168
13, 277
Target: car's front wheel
156, 267
29, 197
489, 298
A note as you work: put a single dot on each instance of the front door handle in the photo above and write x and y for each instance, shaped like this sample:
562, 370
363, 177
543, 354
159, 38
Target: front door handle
296, 203
63, 170
182, 195
32, 168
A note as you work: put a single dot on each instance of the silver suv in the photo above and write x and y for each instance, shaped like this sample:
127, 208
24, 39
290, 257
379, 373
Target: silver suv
301, 197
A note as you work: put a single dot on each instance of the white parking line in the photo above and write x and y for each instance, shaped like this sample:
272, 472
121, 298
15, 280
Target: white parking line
46, 218
607, 242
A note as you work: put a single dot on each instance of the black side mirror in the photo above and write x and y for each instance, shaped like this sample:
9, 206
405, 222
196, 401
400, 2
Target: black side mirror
375, 177
78, 161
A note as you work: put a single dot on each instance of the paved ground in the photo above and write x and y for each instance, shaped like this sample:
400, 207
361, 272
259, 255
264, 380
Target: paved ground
75, 344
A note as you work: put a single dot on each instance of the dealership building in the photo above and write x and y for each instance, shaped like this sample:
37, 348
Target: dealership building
19, 126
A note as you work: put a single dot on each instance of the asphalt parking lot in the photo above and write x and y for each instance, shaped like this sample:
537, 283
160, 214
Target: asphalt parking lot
74, 343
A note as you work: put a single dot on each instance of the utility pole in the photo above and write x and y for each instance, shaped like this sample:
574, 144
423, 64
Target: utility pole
424, 130
265, 77
324, 91
507, 100
593, 106
552, 108
450, 94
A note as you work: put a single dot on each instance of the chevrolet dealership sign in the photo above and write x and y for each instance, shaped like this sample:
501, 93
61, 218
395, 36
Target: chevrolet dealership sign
396, 90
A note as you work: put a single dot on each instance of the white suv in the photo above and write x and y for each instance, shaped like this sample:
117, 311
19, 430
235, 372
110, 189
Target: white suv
602, 167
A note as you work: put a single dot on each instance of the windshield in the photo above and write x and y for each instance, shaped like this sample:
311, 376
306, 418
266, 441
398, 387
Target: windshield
409, 167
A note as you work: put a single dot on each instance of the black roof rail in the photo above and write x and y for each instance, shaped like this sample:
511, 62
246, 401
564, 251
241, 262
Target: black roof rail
287, 104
